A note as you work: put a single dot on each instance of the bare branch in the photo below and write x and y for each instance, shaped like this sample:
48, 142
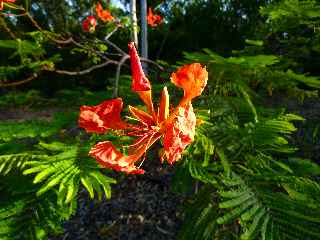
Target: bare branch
86, 71
111, 33
6, 28
13, 84
116, 84
13, 15
115, 47
152, 62
59, 41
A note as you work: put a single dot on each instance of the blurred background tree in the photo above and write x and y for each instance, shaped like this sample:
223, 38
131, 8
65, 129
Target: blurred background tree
188, 26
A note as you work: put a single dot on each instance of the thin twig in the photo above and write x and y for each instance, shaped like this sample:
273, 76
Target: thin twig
111, 33
152, 62
115, 47
13, 15
13, 84
59, 41
89, 49
116, 84
6, 28
85, 71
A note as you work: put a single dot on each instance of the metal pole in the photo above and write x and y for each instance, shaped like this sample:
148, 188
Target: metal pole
134, 22
144, 33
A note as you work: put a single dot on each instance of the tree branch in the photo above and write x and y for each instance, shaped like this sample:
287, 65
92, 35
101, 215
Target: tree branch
116, 84
85, 71
29, 79
6, 28
115, 47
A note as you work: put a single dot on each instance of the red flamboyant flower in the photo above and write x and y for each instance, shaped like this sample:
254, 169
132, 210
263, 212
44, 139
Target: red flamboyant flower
89, 24
3, 1
175, 126
104, 15
153, 19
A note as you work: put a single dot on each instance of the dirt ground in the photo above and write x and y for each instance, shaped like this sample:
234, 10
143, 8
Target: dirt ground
141, 207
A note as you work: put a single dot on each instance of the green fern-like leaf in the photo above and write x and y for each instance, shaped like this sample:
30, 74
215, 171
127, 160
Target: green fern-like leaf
65, 168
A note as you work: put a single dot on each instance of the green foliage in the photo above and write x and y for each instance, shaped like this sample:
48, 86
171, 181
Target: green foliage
292, 12
291, 30
10, 131
65, 168
200, 217
270, 197
30, 217
255, 71
40, 177
243, 154
269, 213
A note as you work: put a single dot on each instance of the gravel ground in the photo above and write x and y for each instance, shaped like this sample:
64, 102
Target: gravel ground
141, 207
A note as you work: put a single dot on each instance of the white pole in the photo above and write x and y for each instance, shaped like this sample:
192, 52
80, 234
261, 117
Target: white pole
134, 22
144, 33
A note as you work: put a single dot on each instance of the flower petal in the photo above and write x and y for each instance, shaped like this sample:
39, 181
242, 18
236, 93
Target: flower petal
163, 112
90, 121
104, 15
101, 117
192, 78
153, 19
89, 24
139, 81
108, 156
142, 116
179, 133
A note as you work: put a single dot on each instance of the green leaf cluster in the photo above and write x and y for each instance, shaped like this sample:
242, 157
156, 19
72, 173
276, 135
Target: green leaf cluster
42, 169
248, 180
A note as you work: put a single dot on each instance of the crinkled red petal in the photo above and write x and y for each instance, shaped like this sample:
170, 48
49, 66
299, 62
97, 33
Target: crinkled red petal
101, 117
108, 156
179, 133
90, 120
191, 78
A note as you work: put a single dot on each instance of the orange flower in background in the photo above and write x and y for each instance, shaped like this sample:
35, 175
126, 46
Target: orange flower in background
89, 24
175, 126
3, 1
153, 19
104, 15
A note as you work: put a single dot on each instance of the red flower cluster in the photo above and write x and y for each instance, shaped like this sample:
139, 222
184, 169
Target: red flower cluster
153, 19
89, 24
104, 15
175, 126
2, 1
